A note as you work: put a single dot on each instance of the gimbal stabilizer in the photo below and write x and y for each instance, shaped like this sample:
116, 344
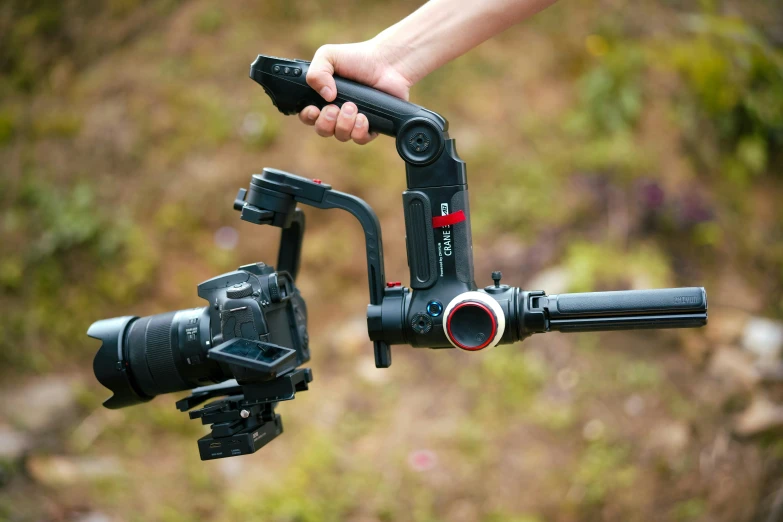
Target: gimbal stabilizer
443, 307
251, 338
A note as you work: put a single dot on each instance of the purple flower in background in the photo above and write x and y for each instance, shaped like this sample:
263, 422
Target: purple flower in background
693, 209
651, 194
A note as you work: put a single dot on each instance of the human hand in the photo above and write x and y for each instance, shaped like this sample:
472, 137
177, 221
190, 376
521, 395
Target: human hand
370, 63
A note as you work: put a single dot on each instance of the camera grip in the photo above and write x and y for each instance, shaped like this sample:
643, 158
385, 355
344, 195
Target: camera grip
284, 80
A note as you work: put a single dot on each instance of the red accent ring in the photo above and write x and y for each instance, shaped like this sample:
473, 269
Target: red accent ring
491, 336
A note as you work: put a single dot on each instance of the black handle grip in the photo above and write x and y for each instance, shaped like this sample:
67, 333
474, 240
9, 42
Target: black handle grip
626, 310
601, 304
284, 81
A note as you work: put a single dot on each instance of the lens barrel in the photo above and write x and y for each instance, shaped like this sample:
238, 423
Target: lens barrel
148, 356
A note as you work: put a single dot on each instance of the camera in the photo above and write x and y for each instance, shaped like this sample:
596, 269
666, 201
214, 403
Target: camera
246, 343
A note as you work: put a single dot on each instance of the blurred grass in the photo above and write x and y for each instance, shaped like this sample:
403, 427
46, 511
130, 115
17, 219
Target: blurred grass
625, 154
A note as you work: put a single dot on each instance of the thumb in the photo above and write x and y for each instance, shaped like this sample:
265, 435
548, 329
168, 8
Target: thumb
319, 75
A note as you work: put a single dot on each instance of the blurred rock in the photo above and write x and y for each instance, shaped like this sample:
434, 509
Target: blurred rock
368, 372
89, 429
725, 325
350, 337
555, 280
772, 373
763, 338
634, 405
462, 510
93, 516
61, 470
363, 518
734, 367
593, 430
669, 439
39, 403
762, 415
232, 469
253, 126
226, 238
695, 345
12, 443
567, 378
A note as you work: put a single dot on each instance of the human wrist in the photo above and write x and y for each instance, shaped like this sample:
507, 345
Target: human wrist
397, 52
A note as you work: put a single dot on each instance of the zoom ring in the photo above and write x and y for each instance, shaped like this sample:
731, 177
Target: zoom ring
160, 354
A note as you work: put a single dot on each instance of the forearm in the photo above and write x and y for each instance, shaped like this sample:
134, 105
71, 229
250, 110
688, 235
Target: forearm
442, 30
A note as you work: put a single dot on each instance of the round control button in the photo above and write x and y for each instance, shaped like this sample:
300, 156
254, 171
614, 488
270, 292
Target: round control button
421, 323
297, 71
276, 69
471, 325
239, 290
434, 308
474, 321
419, 141
286, 70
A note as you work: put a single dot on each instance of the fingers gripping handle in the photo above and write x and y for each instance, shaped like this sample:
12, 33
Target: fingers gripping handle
284, 80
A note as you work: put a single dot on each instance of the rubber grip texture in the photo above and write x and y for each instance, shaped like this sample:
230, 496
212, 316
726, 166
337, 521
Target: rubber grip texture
284, 80
151, 354
420, 239
629, 302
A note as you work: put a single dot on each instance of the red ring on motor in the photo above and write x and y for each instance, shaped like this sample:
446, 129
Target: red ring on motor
482, 307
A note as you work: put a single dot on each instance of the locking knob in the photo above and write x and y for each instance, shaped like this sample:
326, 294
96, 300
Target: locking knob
474, 321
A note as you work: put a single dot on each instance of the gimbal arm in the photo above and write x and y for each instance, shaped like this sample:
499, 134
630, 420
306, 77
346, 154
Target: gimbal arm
272, 199
445, 308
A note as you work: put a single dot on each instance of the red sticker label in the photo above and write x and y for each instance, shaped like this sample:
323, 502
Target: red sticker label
448, 219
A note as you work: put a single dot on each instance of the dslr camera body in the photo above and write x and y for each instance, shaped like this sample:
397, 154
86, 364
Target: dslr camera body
249, 339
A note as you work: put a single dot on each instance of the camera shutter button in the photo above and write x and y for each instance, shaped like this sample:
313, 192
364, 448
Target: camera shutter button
239, 290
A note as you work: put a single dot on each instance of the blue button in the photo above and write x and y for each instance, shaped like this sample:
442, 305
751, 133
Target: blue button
434, 308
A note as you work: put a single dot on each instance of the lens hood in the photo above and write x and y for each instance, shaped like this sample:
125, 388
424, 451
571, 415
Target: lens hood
110, 364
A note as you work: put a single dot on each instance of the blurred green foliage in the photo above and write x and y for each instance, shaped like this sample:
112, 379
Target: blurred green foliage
596, 266
70, 234
210, 20
735, 80
126, 125
691, 509
611, 91
603, 469
7, 126
37, 34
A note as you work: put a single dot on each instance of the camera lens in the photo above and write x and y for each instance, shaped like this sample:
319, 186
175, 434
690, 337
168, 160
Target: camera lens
148, 356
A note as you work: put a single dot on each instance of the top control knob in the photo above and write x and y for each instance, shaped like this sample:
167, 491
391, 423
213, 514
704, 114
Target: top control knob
474, 321
274, 288
239, 290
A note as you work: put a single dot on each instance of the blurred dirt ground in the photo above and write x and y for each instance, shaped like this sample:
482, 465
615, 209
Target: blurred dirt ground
610, 145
